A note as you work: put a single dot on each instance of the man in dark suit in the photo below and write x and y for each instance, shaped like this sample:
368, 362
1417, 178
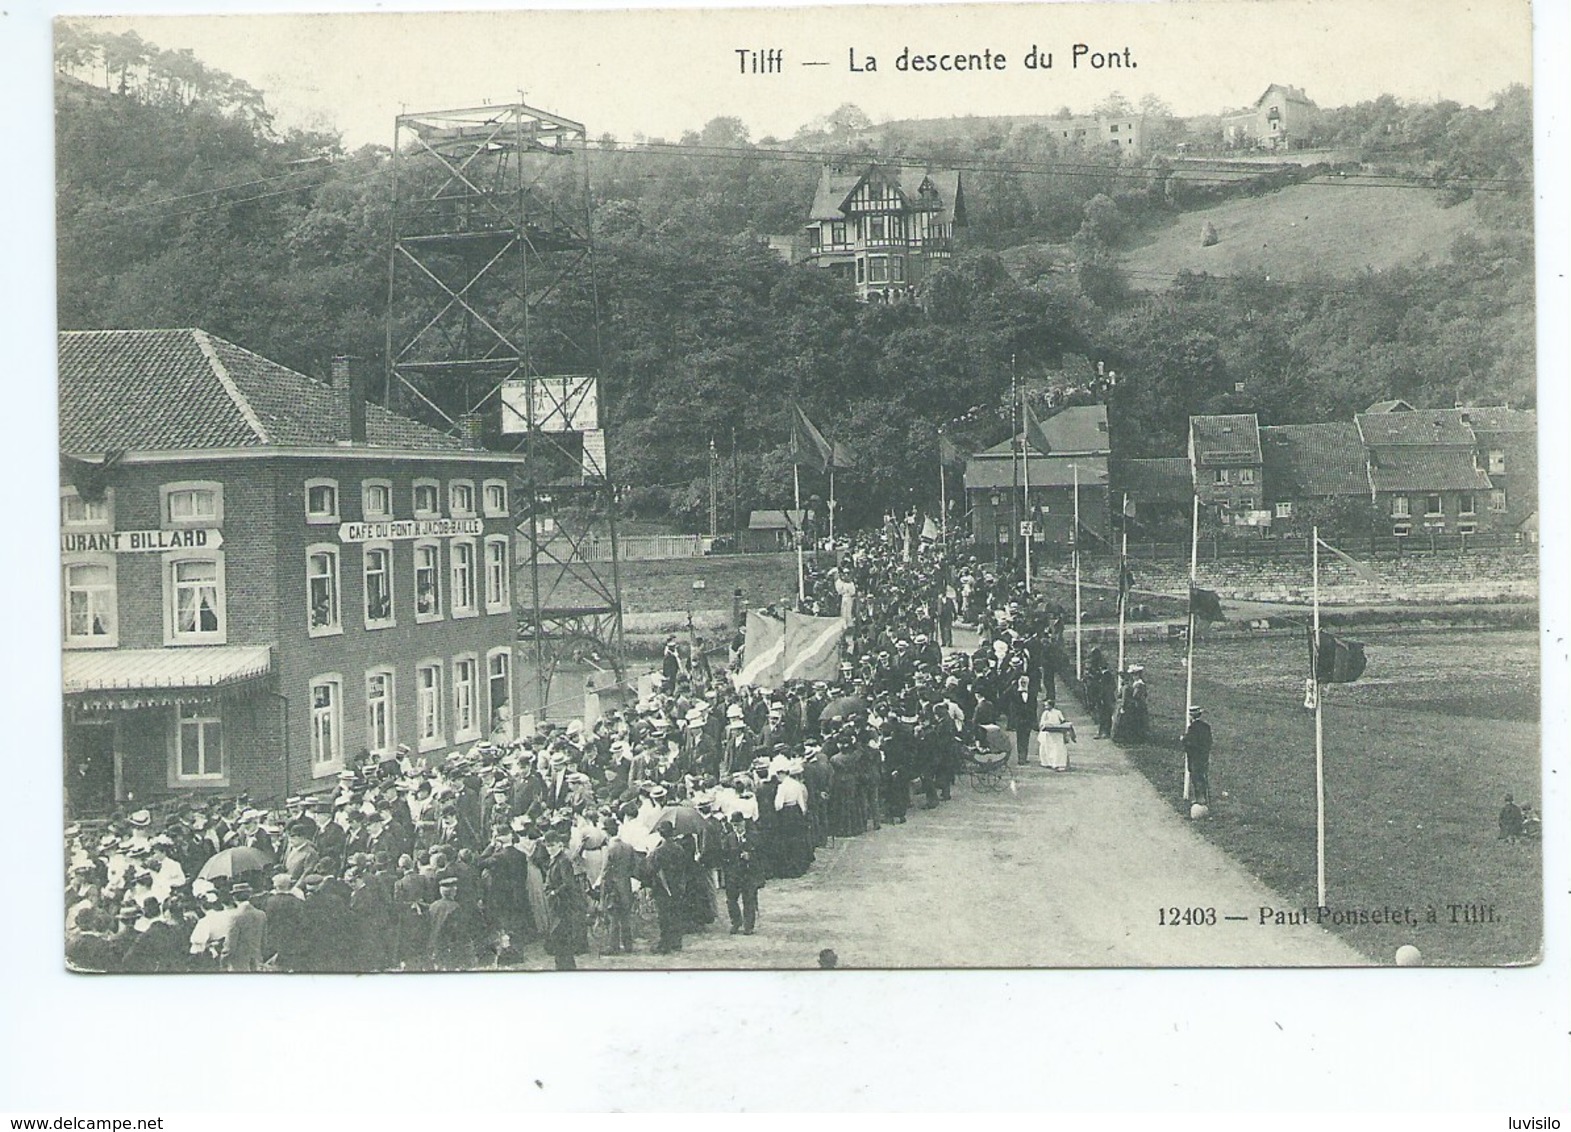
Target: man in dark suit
568, 902
242, 950
665, 872
451, 943
616, 889
285, 923
740, 861
505, 869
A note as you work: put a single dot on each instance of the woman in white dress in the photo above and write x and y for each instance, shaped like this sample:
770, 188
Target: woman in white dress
1054, 734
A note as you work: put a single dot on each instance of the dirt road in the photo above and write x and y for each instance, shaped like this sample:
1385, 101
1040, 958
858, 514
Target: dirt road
1062, 870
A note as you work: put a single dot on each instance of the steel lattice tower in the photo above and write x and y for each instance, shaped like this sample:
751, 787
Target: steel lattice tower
493, 335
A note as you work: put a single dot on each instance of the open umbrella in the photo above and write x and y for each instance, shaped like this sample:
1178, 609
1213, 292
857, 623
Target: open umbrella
685, 818
234, 862
843, 707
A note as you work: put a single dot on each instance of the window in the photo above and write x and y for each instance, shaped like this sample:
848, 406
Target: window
878, 269
376, 499
499, 688
378, 585
497, 591
321, 501
466, 676
1465, 503
462, 554
1467, 528
1433, 504
875, 225
196, 504
1401, 530
837, 233
861, 270
461, 498
195, 600
1247, 503
428, 704
1497, 461
1219, 476
428, 581
897, 269
322, 590
1246, 475
1284, 510
78, 512
1401, 508
198, 745
1112, 129
427, 499
814, 237
327, 718
90, 604
495, 498
1497, 500
380, 717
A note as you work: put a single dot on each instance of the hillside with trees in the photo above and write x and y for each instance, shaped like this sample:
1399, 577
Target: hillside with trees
181, 204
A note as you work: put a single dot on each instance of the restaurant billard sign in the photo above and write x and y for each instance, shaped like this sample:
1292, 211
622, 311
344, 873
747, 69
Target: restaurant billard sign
142, 542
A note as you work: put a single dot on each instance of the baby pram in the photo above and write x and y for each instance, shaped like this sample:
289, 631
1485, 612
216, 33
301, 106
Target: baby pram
987, 761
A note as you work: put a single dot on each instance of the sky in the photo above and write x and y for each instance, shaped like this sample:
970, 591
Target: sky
658, 72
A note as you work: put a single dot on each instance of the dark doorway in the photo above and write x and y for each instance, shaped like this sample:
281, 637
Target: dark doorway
90, 768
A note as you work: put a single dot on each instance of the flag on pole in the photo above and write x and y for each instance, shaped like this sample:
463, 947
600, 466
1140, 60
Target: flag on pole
840, 457
1205, 605
763, 656
812, 647
1035, 437
948, 454
809, 449
1364, 572
929, 530
1338, 661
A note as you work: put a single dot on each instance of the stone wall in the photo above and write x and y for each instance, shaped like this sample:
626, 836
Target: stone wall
1479, 576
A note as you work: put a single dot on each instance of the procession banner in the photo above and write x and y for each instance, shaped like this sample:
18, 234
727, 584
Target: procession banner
764, 654
812, 647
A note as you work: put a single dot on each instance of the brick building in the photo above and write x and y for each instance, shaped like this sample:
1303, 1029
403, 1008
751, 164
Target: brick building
264, 575
996, 484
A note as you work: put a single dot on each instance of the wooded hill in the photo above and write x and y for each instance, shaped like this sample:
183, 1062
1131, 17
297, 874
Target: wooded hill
180, 204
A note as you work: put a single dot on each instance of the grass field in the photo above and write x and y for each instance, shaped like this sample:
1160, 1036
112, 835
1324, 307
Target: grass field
1418, 755
1320, 226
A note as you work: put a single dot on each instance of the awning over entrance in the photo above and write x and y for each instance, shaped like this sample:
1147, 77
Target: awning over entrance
135, 678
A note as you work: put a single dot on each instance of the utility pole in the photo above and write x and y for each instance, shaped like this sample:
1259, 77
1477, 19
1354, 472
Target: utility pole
714, 488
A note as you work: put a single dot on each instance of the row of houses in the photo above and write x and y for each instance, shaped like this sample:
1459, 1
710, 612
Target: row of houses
1391, 471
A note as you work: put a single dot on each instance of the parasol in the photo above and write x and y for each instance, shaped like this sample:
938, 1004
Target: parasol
685, 818
234, 862
842, 707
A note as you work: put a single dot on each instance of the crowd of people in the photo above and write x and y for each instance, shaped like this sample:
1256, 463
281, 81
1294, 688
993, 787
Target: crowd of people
636, 830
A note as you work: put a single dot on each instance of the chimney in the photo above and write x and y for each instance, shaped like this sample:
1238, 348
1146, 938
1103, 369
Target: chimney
471, 430
349, 380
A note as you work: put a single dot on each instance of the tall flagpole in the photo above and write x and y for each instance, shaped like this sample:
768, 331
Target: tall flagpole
1075, 543
1320, 762
831, 496
1189, 664
1123, 591
1025, 460
1015, 430
943, 498
801, 576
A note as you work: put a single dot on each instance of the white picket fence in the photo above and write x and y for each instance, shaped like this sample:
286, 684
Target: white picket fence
646, 548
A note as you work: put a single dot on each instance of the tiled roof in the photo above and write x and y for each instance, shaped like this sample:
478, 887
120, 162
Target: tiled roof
834, 186
162, 390
1426, 427
1165, 480
1077, 430
1232, 438
1492, 418
1415, 468
1304, 461
1396, 406
986, 472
